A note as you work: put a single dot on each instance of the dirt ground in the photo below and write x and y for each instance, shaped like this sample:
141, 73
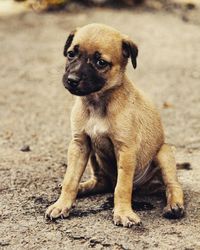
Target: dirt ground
35, 110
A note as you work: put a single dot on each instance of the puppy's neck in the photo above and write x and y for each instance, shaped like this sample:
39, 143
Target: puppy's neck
98, 102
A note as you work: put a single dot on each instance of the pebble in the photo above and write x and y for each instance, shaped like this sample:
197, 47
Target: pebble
25, 148
167, 105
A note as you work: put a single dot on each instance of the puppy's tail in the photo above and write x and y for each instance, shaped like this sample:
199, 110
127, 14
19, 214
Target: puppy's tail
184, 166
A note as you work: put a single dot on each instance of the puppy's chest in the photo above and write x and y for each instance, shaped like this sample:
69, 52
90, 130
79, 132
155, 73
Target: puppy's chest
96, 126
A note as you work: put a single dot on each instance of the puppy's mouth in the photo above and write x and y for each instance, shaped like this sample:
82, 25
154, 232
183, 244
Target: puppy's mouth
82, 91
78, 92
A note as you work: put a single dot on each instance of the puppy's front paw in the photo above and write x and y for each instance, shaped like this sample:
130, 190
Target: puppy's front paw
126, 218
173, 211
56, 210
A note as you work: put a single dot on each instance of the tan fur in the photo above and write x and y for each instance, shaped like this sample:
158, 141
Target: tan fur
130, 129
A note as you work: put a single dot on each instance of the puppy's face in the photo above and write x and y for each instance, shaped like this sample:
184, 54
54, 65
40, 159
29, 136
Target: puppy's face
96, 59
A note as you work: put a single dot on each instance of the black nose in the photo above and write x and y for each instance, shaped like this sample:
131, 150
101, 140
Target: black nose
73, 80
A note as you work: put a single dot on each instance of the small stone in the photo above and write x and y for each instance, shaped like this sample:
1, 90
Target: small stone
25, 148
190, 6
185, 18
167, 105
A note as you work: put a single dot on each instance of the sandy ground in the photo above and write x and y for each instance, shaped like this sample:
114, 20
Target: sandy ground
35, 109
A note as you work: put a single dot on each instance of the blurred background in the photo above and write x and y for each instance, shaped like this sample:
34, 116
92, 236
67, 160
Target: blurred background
35, 128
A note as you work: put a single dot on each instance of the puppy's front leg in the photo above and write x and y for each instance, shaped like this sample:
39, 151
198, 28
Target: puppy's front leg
123, 213
78, 154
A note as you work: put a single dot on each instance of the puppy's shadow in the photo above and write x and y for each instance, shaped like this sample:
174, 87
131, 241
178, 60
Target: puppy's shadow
140, 203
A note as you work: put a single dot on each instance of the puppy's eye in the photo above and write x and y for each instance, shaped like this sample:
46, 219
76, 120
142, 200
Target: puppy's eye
71, 54
101, 63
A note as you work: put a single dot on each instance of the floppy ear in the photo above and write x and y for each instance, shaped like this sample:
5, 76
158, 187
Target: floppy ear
129, 49
68, 42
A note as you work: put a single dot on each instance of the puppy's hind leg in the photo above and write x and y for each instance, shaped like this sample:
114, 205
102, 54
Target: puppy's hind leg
166, 161
98, 183
93, 186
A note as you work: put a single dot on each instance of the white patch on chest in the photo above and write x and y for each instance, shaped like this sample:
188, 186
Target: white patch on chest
96, 125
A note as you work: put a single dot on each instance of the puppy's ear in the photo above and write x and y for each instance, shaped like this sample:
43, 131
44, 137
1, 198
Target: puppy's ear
129, 49
69, 42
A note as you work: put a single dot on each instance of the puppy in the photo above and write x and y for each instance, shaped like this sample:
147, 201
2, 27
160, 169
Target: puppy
115, 128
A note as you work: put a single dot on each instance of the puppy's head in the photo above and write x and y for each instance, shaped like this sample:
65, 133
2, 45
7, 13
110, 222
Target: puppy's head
96, 59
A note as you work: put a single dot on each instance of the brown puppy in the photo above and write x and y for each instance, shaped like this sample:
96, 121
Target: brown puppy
115, 128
